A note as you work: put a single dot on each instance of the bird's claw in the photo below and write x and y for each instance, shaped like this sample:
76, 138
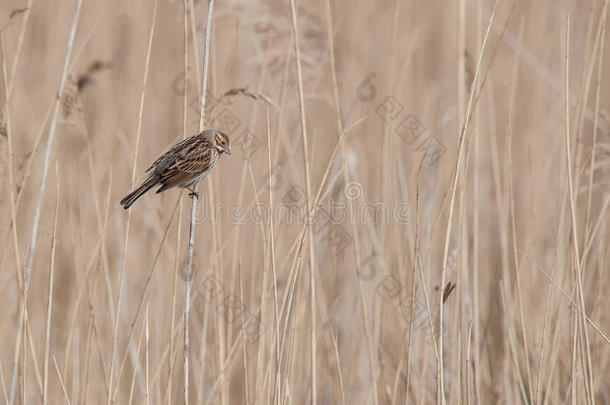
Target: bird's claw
193, 193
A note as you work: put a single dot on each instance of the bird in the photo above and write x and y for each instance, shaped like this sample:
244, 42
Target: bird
184, 165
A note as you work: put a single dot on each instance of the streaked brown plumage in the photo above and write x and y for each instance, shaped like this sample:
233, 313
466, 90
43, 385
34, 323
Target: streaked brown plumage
184, 165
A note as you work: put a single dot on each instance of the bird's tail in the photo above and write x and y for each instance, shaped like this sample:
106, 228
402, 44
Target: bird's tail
138, 192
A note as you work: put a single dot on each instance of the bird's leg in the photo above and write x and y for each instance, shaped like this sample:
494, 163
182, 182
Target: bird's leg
193, 193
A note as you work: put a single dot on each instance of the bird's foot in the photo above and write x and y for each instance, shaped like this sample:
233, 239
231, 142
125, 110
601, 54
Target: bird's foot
193, 193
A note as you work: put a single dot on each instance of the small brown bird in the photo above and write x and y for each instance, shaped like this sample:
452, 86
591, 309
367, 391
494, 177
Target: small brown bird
184, 165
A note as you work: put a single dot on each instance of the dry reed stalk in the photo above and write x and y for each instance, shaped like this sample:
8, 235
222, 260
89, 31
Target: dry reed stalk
226, 366
290, 292
195, 47
9, 136
440, 366
266, 385
476, 207
137, 370
243, 336
341, 134
47, 340
50, 139
600, 59
247, 169
37, 207
389, 171
413, 282
511, 359
460, 267
588, 238
517, 263
191, 244
276, 391
61, 382
32, 155
485, 76
81, 290
596, 228
5, 395
144, 295
511, 214
333, 337
133, 179
172, 352
554, 265
180, 209
102, 226
26, 18
146, 342
594, 325
312, 283
538, 392
24, 181
93, 302
461, 275
390, 177
574, 233
574, 371
30, 341
282, 102
8, 89
587, 76
586, 357
288, 298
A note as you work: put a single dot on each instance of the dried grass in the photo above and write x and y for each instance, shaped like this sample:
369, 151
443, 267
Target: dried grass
492, 291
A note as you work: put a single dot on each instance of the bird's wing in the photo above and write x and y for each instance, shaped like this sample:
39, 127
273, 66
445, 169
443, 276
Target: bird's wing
177, 147
192, 164
197, 161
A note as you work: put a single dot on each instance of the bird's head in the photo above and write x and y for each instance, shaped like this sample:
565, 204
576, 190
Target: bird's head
220, 141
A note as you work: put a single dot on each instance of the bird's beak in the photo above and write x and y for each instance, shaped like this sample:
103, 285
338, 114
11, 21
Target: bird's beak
228, 151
